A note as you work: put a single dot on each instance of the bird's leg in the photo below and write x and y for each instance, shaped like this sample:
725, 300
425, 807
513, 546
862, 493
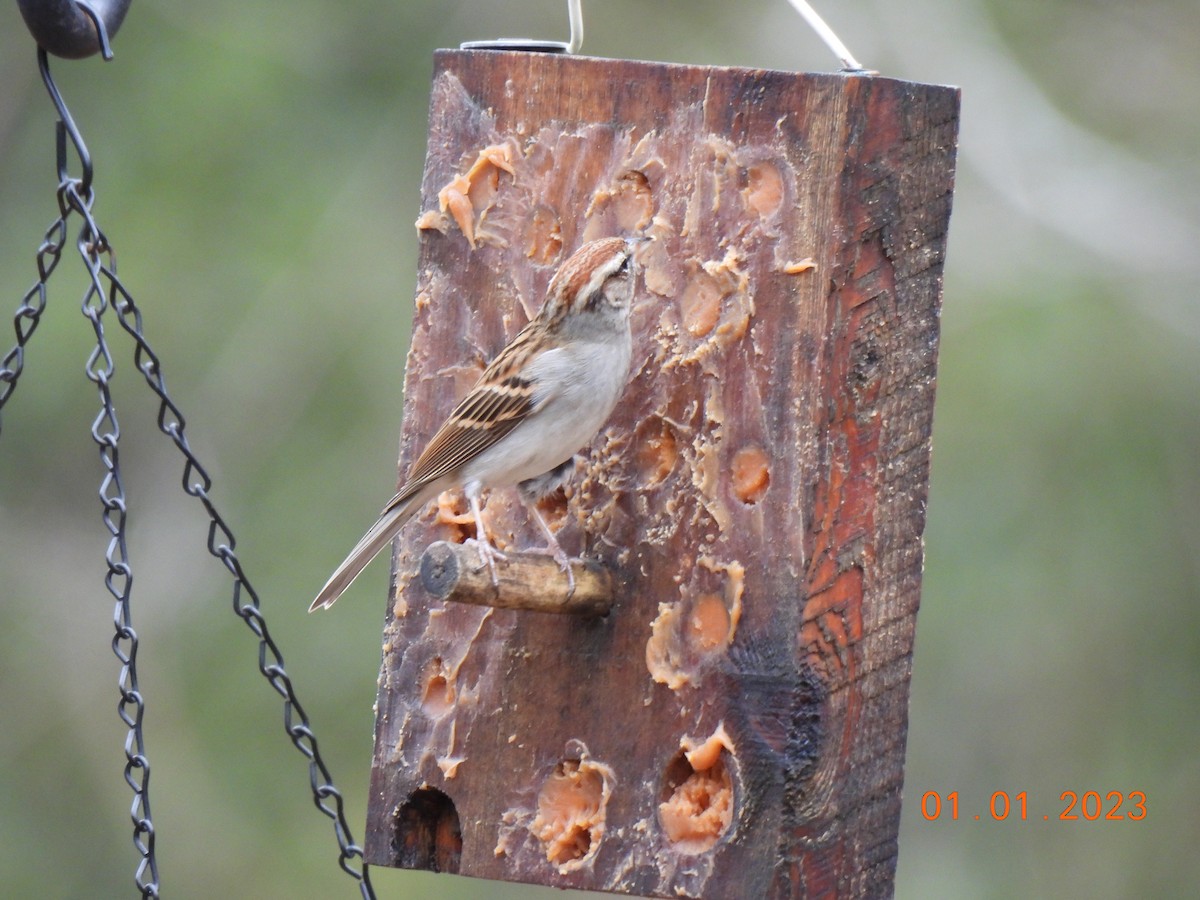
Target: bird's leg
489, 553
553, 546
533, 489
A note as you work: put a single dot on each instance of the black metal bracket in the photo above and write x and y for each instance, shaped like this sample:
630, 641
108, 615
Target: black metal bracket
528, 45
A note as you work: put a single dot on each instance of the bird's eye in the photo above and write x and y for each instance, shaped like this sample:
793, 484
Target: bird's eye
623, 269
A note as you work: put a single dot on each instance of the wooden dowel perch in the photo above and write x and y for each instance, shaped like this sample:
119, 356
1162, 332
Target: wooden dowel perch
527, 581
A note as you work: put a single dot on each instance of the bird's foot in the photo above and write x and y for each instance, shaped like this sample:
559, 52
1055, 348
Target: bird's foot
489, 555
564, 563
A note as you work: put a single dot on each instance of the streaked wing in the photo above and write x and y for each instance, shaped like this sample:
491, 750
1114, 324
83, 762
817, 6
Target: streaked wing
497, 404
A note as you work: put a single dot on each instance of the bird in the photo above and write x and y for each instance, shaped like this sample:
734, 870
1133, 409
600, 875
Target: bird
540, 401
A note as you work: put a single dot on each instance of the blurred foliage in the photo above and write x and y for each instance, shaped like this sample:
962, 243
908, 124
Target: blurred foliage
258, 172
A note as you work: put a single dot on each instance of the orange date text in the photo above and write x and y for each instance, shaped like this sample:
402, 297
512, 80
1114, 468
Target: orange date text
1072, 806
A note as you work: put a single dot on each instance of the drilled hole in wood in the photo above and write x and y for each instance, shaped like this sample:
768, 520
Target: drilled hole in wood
701, 303
553, 508
439, 690
625, 208
751, 474
689, 636
657, 450
708, 625
697, 798
427, 833
634, 202
571, 811
454, 513
764, 189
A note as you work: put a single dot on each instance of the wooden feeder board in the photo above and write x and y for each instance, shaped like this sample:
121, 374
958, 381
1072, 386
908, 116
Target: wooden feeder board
735, 725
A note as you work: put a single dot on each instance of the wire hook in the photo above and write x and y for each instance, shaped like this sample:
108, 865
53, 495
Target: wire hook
66, 127
528, 45
74, 29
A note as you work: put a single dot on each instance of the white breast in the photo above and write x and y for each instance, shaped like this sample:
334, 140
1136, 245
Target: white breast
577, 387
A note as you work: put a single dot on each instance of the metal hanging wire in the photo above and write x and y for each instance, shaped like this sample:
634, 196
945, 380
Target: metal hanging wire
575, 16
104, 293
826, 34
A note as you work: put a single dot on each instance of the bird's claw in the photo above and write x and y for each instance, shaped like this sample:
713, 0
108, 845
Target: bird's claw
564, 563
489, 555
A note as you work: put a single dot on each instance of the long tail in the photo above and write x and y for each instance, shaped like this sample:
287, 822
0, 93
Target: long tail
386, 527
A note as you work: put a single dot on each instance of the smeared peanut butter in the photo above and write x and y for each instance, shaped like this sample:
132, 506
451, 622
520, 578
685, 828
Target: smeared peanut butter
469, 196
699, 799
571, 811
688, 635
751, 474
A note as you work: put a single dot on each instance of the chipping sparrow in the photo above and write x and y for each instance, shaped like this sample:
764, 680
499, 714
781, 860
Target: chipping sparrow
542, 399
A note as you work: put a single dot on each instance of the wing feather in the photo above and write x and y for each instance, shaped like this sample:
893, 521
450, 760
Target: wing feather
498, 403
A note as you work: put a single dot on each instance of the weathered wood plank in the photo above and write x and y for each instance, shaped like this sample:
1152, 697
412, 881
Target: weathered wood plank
736, 725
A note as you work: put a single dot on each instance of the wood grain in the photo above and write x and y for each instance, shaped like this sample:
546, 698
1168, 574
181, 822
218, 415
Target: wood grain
759, 493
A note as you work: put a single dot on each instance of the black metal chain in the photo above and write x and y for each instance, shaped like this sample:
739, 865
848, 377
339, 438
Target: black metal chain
105, 291
29, 313
106, 432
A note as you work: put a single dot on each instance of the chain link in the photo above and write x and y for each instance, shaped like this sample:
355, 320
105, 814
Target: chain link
105, 291
33, 304
221, 542
106, 432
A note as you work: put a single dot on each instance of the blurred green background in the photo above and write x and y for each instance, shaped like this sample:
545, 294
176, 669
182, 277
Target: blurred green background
257, 170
